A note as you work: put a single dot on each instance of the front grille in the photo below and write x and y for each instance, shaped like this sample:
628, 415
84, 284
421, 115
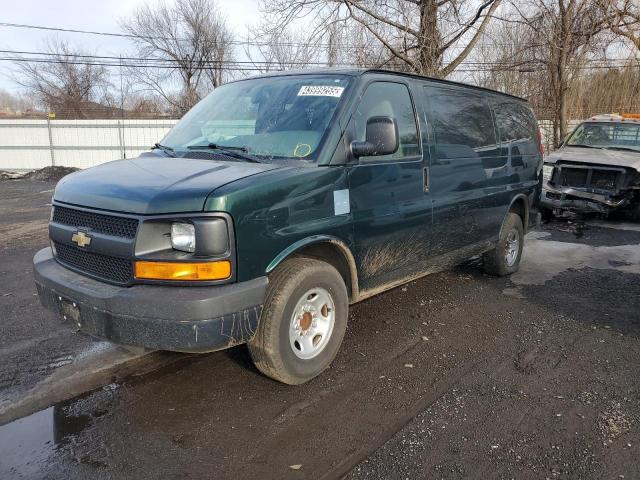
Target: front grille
97, 222
574, 177
112, 269
589, 178
604, 179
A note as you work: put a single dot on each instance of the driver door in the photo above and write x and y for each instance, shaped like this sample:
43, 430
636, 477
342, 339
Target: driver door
390, 205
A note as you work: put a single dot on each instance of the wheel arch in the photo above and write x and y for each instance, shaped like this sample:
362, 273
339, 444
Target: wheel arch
520, 206
329, 249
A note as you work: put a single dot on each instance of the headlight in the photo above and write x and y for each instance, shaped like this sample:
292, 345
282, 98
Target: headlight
547, 172
183, 237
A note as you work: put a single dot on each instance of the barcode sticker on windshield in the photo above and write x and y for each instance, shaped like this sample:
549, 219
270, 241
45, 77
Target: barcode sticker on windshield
320, 91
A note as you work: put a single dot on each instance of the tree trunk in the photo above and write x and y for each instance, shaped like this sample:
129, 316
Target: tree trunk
566, 15
562, 114
429, 58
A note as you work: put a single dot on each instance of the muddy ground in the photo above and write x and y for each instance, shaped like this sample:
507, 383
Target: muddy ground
457, 375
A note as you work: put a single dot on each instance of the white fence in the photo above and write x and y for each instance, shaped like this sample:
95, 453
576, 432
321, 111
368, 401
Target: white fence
31, 144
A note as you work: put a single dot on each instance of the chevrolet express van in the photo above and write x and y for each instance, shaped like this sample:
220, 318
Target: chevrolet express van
278, 201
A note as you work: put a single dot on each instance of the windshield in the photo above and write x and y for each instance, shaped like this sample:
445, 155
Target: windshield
278, 117
607, 135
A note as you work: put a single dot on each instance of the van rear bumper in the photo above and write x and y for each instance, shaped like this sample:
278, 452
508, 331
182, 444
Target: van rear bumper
183, 319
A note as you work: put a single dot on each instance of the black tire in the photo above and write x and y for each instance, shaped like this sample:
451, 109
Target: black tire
271, 349
496, 261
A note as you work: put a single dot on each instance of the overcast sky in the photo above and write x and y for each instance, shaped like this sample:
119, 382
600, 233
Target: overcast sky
96, 15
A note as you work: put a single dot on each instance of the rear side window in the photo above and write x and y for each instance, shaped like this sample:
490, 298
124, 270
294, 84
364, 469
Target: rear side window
462, 124
390, 100
517, 127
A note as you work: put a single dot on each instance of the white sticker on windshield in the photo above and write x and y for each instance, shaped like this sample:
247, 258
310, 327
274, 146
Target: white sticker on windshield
320, 91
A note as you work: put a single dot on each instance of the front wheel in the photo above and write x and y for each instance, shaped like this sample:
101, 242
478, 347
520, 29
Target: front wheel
303, 321
505, 258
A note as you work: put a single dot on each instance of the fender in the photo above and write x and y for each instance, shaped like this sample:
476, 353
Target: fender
317, 240
525, 200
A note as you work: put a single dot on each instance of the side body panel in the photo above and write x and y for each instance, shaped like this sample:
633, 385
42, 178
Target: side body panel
281, 209
391, 212
473, 187
462, 204
520, 165
397, 226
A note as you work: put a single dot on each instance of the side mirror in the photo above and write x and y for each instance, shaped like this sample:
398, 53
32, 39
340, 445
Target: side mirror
381, 138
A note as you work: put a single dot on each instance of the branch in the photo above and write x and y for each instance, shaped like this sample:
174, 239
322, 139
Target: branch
470, 24
396, 53
380, 18
465, 52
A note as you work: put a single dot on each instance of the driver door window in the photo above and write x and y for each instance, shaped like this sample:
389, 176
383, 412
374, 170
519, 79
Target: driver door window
389, 99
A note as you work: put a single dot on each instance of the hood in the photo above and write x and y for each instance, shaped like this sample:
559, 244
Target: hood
152, 184
615, 158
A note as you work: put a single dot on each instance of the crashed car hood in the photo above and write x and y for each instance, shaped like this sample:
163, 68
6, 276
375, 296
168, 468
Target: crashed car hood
152, 184
616, 158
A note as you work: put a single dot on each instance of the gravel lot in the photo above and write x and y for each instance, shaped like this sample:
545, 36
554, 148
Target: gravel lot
457, 375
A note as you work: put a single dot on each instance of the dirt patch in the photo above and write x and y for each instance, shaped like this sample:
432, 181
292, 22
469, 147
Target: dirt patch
46, 174
613, 421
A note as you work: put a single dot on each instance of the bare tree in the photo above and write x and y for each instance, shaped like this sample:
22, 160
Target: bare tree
286, 50
188, 41
562, 35
66, 84
340, 44
141, 105
623, 17
350, 43
15, 103
607, 90
425, 36
503, 61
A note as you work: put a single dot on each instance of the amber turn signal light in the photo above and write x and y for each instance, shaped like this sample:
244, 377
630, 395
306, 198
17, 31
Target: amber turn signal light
218, 270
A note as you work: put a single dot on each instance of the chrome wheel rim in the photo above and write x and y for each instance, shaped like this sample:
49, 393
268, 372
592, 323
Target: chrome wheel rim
312, 323
512, 248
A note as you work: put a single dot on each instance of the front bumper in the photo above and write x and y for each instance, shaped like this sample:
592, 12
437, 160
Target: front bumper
566, 198
182, 319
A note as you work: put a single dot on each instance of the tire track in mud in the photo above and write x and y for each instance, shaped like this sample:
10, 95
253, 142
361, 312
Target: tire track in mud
442, 388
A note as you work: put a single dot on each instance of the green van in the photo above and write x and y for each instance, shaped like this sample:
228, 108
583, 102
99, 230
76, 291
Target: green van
279, 200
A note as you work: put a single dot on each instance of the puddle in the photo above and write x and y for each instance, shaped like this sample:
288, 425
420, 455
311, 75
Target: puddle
543, 259
26, 444
95, 348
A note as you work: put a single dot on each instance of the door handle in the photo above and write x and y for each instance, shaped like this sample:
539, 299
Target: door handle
425, 179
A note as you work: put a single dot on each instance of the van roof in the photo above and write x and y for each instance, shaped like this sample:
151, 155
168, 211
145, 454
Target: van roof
356, 72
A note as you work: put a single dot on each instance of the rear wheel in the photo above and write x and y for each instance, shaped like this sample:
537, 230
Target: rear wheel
505, 258
303, 321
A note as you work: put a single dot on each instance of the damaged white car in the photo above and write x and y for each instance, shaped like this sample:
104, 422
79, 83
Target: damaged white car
596, 170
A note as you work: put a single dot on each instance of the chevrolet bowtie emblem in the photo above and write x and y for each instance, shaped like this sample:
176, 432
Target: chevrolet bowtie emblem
81, 239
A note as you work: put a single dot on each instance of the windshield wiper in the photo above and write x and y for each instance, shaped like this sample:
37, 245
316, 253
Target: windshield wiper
235, 152
582, 145
627, 149
164, 148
